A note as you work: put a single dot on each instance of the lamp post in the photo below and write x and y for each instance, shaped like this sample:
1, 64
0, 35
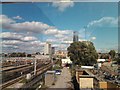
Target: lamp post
35, 67
26, 58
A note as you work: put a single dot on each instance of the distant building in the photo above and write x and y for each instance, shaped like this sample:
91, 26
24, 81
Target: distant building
87, 67
61, 54
43, 57
101, 60
66, 61
47, 49
52, 50
75, 36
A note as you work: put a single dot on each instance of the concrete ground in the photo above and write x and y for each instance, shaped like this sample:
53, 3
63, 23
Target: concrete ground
63, 80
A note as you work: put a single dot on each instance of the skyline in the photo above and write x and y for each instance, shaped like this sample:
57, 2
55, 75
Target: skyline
27, 26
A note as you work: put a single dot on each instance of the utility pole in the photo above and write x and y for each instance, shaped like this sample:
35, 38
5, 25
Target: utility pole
35, 67
26, 58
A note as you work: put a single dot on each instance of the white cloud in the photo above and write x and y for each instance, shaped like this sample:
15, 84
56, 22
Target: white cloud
16, 36
37, 43
11, 35
20, 42
51, 31
18, 17
82, 40
24, 41
63, 4
5, 20
28, 41
11, 42
105, 21
52, 40
34, 27
29, 38
93, 38
67, 42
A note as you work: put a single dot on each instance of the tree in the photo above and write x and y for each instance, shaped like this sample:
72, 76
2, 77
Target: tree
104, 56
117, 59
29, 55
82, 53
112, 53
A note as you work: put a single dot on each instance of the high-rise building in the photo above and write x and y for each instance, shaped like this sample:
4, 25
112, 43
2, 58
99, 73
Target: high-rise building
52, 50
47, 49
75, 36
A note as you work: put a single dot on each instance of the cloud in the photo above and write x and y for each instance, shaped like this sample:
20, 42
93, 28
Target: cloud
34, 27
18, 18
10, 24
19, 42
23, 35
105, 21
51, 40
5, 20
63, 4
11, 36
16, 36
51, 31
29, 38
67, 42
93, 38
11, 42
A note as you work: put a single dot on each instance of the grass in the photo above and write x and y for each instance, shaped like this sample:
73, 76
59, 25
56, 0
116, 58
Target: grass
23, 80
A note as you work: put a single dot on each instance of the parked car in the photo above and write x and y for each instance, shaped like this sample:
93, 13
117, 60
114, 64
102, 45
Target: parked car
117, 81
57, 72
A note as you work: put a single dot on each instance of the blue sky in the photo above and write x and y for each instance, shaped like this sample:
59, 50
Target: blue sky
29, 25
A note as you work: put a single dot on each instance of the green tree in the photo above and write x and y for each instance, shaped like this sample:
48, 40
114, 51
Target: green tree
104, 56
82, 53
112, 53
117, 59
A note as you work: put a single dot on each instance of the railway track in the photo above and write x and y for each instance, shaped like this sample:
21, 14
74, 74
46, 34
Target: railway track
36, 78
39, 71
6, 84
13, 67
12, 74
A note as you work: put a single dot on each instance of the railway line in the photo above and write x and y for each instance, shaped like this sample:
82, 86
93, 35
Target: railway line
36, 78
10, 82
13, 67
16, 74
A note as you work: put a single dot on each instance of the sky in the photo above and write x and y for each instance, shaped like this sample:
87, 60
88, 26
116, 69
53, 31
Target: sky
61, 0
26, 27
